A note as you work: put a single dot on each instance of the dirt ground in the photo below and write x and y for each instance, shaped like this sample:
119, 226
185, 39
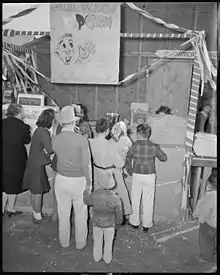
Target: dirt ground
33, 248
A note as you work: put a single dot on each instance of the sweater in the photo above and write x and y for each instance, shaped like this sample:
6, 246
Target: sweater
73, 155
106, 207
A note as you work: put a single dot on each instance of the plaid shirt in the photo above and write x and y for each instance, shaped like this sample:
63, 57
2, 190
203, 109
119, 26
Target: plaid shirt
143, 154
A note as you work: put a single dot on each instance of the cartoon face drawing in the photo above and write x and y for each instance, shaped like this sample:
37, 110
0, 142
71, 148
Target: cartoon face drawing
65, 49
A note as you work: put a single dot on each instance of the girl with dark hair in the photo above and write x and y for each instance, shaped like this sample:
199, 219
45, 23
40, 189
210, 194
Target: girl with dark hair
35, 178
83, 123
15, 134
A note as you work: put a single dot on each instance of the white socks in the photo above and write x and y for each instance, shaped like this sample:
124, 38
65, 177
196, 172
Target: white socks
11, 202
37, 216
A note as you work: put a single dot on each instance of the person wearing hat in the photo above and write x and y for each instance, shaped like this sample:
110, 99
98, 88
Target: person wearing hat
122, 143
57, 129
73, 177
106, 214
206, 212
15, 134
35, 176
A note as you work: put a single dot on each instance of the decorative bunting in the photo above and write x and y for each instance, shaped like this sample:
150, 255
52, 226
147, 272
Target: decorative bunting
20, 14
9, 32
156, 19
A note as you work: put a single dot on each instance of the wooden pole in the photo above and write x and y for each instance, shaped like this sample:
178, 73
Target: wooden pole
139, 57
212, 46
96, 101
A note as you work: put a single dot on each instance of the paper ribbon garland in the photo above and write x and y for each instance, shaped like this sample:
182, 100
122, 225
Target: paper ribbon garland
156, 19
20, 14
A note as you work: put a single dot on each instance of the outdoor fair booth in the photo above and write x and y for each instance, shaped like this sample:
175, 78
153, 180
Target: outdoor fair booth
109, 94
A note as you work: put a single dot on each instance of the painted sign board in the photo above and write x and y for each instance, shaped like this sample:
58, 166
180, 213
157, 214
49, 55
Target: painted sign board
85, 42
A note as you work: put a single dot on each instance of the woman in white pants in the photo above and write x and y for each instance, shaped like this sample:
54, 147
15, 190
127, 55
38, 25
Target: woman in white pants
73, 178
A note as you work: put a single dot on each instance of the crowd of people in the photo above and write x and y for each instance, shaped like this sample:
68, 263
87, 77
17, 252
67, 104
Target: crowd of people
89, 173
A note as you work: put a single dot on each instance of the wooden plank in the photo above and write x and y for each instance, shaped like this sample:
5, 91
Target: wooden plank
96, 101
204, 162
139, 57
117, 99
206, 173
196, 16
196, 185
77, 93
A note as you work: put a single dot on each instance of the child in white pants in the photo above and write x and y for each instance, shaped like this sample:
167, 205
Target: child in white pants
106, 213
141, 165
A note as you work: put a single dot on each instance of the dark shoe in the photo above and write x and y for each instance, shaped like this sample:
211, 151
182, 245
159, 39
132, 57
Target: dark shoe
146, 229
125, 221
134, 226
9, 213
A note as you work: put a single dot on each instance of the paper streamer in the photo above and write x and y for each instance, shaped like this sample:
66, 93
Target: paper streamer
156, 19
20, 14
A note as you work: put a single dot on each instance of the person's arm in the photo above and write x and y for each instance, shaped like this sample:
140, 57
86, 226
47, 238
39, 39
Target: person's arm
86, 163
90, 133
118, 211
46, 142
160, 154
87, 198
129, 158
27, 134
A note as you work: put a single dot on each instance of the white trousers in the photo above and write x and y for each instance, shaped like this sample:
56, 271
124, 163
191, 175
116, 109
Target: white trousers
11, 202
69, 191
143, 186
100, 235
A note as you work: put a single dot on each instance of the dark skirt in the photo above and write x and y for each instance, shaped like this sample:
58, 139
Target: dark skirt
36, 179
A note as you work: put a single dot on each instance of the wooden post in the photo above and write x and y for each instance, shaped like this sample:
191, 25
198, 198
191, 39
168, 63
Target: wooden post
96, 101
117, 99
196, 14
196, 185
206, 173
77, 93
139, 57
212, 46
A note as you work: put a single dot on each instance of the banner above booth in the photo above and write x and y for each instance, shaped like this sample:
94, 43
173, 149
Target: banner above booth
85, 43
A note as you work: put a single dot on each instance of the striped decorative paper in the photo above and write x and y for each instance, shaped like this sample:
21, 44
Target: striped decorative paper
20, 14
193, 102
156, 19
9, 32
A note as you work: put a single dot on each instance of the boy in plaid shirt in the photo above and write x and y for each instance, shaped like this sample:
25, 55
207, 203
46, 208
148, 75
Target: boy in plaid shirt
141, 165
106, 213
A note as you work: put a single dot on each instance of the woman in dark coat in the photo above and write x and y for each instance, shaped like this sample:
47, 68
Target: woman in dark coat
15, 135
35, 177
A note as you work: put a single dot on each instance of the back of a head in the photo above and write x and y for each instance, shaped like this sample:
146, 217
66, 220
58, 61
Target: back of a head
102, 125
46, 118
164, 109
144, 130
14, 110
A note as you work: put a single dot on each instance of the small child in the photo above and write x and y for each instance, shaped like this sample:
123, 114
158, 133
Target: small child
143, 153
106, 213
206, 212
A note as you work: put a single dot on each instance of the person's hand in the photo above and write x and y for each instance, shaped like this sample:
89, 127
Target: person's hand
86, 193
